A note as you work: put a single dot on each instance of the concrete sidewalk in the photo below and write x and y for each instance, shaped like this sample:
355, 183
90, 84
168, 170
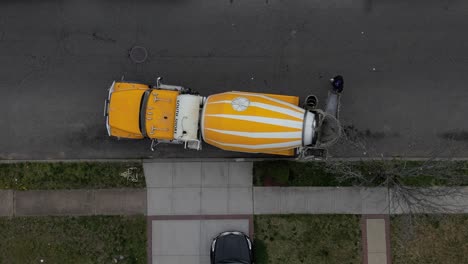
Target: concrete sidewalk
73, 202
348, 200
216, 196
320, 200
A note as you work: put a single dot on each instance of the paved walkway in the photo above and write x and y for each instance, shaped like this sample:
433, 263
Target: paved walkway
320, 200
199, 188
218, 192
73, 202
190, 203
376, 239
349, 200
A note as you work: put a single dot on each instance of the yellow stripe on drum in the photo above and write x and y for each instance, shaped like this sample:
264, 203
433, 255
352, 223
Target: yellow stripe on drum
256, 148
248, 141
260, 120
214, 122
295, 135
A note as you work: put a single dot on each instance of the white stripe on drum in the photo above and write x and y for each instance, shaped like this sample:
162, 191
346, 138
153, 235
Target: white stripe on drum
269, 98
284, 145
291, 135
272, 108
263, 120
278, 109
220, 102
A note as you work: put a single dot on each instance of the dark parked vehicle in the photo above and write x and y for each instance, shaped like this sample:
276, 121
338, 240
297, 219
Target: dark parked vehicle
231, 248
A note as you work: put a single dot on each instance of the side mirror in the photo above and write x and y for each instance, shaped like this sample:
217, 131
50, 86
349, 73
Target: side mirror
158, 82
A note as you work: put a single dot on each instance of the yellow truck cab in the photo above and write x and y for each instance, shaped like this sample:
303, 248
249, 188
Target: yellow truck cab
233, 121
163, 113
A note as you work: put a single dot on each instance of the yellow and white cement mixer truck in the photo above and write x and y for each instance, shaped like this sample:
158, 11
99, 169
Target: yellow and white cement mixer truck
232, 121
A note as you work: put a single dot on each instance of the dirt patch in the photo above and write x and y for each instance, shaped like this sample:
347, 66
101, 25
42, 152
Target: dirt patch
269, 181
353, 133
458, 135
429, 239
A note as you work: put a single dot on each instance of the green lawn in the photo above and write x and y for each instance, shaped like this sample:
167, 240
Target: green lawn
435, 239
297, 239
282, 172
374, 173
90, 239
71, 175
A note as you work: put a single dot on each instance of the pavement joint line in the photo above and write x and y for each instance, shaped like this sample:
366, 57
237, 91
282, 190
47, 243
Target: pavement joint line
200, 231
172, 174
149, 239
93, 198
228, 187
281, 199
172, 186
13, 203
200, 189
229, 175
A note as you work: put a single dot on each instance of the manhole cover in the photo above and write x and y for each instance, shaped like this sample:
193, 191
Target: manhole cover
138, 54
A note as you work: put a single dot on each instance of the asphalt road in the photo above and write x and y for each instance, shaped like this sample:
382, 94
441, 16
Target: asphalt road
405, 67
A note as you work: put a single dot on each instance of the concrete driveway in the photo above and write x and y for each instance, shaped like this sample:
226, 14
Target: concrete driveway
404, 63
188, 240
189, 203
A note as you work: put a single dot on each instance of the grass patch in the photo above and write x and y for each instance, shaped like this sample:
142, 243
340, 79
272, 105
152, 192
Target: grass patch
297, 239
71, 175
87, 239
372, 173
292, 173
429, 239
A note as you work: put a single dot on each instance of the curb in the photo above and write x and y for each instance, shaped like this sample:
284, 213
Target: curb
3, 161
